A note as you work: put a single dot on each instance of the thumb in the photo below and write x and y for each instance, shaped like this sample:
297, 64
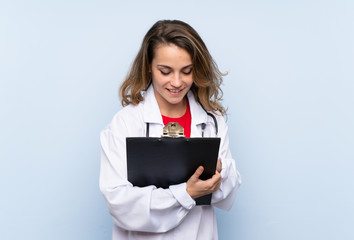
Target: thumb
198, 172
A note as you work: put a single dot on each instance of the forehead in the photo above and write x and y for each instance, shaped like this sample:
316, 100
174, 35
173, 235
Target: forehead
171, 55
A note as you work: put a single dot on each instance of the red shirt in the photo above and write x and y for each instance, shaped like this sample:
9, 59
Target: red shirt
185, 121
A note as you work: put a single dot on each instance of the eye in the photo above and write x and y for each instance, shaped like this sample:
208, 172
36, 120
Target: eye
164, 73
187, 72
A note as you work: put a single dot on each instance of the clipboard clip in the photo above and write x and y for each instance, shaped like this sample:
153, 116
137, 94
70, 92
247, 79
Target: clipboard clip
173, 130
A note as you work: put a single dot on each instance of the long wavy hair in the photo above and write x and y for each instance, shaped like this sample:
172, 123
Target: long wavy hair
207, 77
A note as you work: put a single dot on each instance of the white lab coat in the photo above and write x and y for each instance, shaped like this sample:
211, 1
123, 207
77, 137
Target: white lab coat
155, 213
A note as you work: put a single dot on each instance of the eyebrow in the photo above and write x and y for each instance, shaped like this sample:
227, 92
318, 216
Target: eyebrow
165, 66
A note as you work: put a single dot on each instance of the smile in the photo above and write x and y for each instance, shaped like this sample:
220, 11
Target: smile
175, 90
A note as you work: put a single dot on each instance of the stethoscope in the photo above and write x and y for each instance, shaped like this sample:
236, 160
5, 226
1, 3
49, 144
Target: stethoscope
203, 124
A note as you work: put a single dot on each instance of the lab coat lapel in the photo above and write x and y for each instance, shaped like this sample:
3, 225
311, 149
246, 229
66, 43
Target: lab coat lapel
151, 111
152, 114
199, 116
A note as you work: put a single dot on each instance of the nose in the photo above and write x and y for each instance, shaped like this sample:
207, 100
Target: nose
176, 81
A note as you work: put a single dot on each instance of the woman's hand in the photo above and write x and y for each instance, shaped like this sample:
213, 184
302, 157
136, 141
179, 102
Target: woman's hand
197, 187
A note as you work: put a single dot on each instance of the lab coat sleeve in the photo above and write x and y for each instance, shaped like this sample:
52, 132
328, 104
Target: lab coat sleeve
224, 197
147, 209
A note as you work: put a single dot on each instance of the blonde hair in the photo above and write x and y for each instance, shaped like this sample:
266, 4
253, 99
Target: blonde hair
207, 77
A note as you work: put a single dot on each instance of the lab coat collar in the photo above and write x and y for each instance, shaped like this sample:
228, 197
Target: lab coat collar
151, 110
199, 116
152, 114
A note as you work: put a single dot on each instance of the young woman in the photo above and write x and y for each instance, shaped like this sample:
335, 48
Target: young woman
173, 78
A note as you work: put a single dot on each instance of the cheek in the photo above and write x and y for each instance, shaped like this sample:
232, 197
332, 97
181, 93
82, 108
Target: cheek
155, 78
159, 82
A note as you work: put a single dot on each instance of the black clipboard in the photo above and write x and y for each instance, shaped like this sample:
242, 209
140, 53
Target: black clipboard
166, 161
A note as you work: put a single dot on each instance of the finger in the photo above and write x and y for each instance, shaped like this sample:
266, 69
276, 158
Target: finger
219, 165
216, 175
198, 172
214, 179
217, 186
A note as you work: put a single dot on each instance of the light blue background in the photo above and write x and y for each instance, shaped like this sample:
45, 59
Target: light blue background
289, 95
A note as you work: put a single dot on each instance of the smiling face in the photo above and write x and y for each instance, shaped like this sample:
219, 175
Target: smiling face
172, 77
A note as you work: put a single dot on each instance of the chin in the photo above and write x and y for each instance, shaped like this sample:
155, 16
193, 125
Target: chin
175, 101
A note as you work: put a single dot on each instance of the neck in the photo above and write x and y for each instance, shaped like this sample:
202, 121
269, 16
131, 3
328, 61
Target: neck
174, 111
